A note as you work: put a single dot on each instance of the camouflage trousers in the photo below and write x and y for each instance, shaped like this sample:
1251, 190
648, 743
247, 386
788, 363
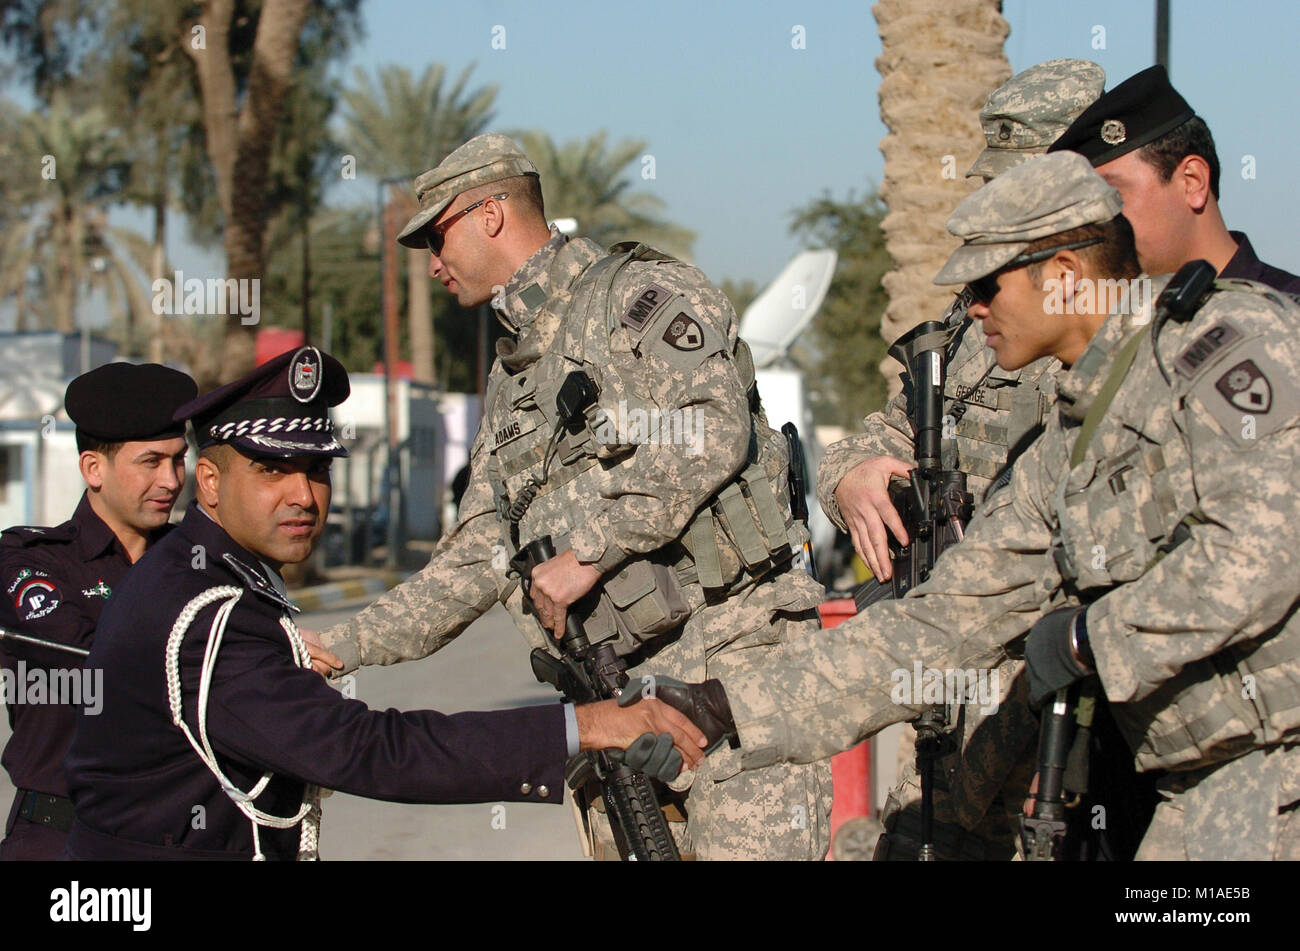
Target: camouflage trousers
777, 812
1246, 809
994, 838
979, 790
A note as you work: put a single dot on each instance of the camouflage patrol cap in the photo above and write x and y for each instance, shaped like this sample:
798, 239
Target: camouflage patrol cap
1028, 112
1044, 196
480, 161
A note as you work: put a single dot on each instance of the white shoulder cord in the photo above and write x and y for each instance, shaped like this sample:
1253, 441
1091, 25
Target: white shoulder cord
309, 813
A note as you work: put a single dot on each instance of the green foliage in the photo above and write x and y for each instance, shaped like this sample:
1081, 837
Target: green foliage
586, 180
398, 125
65, 167
845, 383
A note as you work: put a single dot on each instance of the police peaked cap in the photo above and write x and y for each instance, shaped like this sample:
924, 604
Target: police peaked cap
280, 409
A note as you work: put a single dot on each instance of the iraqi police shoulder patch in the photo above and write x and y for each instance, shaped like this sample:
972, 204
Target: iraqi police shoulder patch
35, 596
1249, 395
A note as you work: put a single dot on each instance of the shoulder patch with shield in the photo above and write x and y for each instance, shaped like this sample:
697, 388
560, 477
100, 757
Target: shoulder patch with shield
1249, 396
684, 333
680, 337
1246, 387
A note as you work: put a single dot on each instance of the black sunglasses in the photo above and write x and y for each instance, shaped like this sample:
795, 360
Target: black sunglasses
436, 235
984, 289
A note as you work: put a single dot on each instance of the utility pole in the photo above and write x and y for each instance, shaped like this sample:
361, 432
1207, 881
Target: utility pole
1162, 33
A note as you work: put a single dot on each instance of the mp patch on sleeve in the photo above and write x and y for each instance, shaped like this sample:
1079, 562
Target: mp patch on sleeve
648, 303
1198, 354
1250, 396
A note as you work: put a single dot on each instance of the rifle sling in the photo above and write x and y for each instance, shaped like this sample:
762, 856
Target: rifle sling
1105, 396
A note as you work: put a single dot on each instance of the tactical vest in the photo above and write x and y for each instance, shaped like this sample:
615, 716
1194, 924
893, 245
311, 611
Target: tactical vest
991, 412
546, 476
1121, 514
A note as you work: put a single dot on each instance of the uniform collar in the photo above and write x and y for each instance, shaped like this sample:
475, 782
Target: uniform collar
1245, 264
94, 537
530, 285
222, 550
1078, 387
549, 273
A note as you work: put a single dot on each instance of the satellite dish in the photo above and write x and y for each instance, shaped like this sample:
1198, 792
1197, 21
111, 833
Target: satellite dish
776, 318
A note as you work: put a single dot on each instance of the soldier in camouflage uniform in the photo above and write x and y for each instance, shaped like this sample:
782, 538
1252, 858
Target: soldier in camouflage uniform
667, 492
1150, 535
991, 414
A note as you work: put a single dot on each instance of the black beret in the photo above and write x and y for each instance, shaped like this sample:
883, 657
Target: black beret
280, 409
127, 402
1139, 110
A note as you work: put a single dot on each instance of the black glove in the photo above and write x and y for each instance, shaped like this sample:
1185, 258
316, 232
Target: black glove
1050, 657
705, 704
653, 755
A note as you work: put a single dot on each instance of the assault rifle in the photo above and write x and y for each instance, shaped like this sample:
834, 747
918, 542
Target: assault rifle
585, 673
1063, 751
935, 507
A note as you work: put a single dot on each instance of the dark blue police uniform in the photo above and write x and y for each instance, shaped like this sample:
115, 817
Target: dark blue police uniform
144, 789
1248, 267
55, 582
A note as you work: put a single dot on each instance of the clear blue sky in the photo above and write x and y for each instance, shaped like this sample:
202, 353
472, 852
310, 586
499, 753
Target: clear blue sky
744, 128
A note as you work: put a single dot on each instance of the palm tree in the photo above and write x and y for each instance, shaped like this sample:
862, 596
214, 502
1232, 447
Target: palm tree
140, 74
399, 125
66, 167
584, 179
938, 63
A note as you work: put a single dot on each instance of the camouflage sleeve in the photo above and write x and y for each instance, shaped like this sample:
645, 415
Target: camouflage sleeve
428, 610
821, 695
677, 357
1234, 578
887, 432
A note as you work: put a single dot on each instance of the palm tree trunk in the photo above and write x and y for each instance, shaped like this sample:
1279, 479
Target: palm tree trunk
157, 261
239, 142
420, 315
939, 61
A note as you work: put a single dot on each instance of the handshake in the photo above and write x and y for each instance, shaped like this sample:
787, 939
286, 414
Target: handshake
660, 728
